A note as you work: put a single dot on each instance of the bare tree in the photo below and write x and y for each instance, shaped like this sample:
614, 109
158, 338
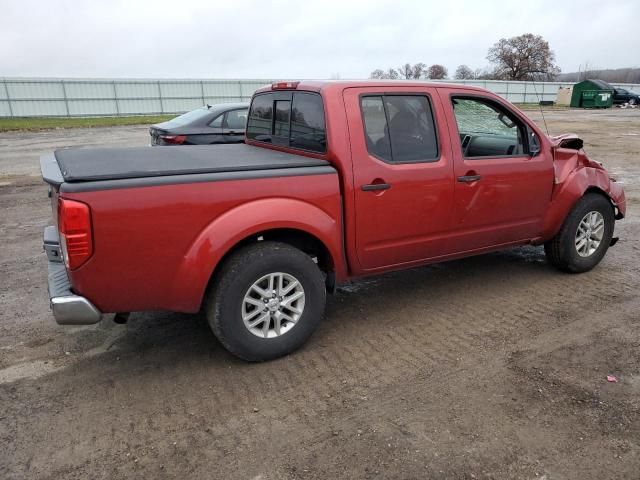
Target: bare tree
437, 72
463, 72
419, 70
406, 71
486, 74
523, 57
391, 74
379, 74
412, 72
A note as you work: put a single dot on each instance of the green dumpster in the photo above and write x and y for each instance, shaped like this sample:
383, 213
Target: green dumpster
603, 99
588, 99
592, 94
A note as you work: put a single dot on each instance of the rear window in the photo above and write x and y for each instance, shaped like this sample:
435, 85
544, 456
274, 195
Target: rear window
292, 119
189, 117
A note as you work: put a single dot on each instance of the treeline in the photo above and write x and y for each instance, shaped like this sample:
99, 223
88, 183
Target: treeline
524, 57
411, 72
617, 75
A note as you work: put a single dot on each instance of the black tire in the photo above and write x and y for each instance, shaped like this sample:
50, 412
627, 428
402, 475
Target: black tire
224, 302
561, 250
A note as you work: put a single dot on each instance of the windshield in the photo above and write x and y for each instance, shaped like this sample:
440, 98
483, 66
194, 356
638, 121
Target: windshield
188, 117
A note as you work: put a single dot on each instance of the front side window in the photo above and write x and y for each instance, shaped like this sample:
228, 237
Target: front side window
486, 129
293, 119
400, 128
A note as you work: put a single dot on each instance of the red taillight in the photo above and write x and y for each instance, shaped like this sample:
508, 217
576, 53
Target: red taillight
284, 85
174, 139
76, 238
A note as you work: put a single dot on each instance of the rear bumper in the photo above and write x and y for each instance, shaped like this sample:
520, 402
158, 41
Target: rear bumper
67, 307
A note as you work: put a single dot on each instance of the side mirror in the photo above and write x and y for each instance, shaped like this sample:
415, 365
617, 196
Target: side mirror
534, 144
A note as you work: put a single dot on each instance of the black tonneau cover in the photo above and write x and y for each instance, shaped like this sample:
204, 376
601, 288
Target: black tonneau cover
97, 164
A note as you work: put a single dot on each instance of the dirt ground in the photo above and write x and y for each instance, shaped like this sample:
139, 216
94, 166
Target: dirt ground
490, 367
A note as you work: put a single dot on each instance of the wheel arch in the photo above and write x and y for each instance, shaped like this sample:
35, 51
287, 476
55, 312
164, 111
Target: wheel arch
295, 222
581, 182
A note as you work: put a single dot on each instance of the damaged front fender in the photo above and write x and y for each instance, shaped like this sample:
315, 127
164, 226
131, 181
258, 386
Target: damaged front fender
575, 174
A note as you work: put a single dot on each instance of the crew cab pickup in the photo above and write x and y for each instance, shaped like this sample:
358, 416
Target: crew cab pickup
336, 180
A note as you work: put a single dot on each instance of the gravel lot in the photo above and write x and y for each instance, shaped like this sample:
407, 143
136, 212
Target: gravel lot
490, 367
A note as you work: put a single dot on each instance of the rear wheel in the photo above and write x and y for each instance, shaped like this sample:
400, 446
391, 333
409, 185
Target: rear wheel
584, 237
267, 300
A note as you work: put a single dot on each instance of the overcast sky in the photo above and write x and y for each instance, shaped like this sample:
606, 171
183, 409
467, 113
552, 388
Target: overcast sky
298, 38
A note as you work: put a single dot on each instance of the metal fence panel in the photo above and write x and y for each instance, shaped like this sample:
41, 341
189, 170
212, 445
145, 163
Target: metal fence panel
25, 97
223, 89
98, 107
4, 109
181, 104
181, 90
140, 106
94, 90
37, 108
137, 90
216, 100
247, 87
35, 90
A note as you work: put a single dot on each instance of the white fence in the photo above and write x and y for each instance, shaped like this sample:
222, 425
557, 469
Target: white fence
66, 97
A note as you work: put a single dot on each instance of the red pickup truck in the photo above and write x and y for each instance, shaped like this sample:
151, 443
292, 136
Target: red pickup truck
336, 180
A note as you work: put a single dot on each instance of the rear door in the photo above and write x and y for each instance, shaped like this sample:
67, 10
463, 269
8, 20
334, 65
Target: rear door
502, 190
234, 125
403, 174
211, 132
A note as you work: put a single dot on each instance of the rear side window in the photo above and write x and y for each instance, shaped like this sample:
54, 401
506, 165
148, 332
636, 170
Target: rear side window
400, 128
293, 119
236, 119
217, 122
307, 122
260, 122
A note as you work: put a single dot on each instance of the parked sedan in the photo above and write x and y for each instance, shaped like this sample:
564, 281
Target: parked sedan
620, 95
222, 123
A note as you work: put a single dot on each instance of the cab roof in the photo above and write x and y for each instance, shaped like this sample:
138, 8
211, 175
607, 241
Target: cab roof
327, 85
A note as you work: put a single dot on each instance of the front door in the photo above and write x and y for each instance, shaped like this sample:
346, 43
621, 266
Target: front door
403, 174
502, 190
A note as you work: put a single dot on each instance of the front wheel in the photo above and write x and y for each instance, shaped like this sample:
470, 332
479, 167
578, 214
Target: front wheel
584, 237
267, 300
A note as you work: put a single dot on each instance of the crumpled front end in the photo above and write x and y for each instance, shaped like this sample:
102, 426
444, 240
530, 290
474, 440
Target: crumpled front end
617, 196
576, 174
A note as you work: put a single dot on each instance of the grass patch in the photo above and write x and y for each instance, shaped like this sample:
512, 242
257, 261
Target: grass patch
535, 106
48, 123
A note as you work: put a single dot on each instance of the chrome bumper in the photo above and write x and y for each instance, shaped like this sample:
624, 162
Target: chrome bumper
67, 307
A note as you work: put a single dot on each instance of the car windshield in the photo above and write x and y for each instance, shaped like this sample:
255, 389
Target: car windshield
188, 117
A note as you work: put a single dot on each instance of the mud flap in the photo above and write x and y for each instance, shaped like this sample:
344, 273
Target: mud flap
614, 240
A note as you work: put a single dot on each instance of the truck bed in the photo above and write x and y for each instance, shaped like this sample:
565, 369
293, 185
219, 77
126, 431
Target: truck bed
76, 165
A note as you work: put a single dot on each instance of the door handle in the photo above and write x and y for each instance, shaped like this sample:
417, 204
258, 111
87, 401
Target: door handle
372, 187
469, 178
